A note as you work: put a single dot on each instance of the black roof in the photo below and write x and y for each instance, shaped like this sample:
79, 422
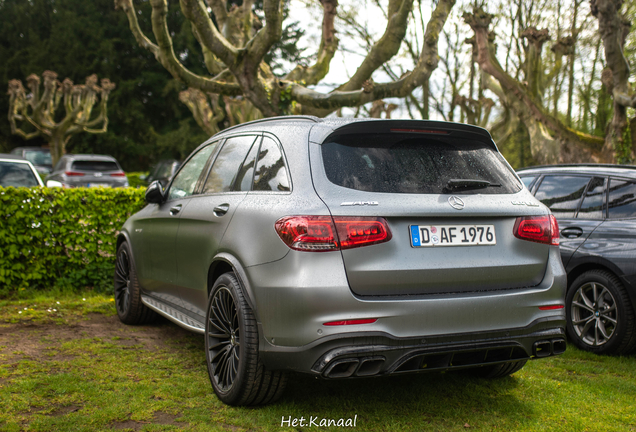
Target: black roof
598, 169
322, 127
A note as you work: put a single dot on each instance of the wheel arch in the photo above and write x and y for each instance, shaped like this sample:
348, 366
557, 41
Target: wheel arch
122, 237
581, 267
223, 263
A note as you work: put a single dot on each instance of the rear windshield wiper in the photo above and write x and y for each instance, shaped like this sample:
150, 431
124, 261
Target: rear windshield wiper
466, 184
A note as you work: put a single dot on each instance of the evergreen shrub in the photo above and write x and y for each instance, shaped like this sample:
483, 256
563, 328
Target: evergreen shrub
61, 238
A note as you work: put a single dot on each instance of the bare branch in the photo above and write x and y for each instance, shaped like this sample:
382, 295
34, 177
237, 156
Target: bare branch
427, 62
328, 46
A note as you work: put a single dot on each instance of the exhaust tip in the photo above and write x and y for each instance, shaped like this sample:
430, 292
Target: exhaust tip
542, 349
370, 366
342, 368
558, 346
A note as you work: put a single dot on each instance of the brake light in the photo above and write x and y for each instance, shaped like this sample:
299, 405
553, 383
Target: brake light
361, 231
73, 173
118, 174
351, 322
540, 229
324, 233
308, 233
426, 131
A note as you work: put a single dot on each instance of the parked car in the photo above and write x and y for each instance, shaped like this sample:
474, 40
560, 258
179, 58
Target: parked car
163, 171
83, 170
596, 209
346, 248
38, 156
17, 172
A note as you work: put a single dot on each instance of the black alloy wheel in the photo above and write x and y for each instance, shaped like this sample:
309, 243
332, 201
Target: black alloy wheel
224, 339
231, 347
128, 303
122, 281
600, 316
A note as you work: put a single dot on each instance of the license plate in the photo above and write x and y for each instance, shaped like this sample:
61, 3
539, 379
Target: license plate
96, 184
452, 235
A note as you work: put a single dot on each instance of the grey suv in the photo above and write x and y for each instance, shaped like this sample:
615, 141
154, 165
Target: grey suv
86, 170
346, 248
596, 209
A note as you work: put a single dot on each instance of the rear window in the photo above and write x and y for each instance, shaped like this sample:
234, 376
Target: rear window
94, 166
402, 163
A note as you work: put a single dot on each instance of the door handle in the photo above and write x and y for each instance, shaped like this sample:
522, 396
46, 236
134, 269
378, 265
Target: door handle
572, 232
220, 210
176, 209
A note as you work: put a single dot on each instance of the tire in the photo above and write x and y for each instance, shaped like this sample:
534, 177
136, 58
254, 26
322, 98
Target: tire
498, 370
127, 291
231, 347
600, 316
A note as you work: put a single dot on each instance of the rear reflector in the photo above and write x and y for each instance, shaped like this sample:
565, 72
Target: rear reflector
551, 307
119, 174
324, 233
351, 322
73, 173
540, 229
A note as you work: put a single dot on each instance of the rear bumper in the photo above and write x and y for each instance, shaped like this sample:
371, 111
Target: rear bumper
376, 353
294, 297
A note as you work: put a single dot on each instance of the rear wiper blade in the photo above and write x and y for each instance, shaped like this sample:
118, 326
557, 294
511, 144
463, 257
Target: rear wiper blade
455, 184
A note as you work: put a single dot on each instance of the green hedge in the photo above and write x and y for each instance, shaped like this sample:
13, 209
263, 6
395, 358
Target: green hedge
61, 238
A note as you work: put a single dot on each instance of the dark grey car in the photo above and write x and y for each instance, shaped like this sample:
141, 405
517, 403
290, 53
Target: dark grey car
83, 170
596, 209
344, 248
39, 157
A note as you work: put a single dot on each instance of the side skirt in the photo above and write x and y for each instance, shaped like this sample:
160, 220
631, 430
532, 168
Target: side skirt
174, 315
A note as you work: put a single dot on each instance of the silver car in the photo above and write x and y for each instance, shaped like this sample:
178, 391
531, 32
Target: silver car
87, 170
346, 248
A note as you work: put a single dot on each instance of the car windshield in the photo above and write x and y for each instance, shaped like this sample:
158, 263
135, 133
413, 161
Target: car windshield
401, 163
16, 174
39, 158
94, 165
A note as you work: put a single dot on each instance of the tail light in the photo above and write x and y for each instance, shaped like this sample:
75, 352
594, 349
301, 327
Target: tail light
73, 173
540, 229
118, 174
324, 233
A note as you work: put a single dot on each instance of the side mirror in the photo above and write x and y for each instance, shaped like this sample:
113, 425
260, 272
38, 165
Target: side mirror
53, 183
154, 193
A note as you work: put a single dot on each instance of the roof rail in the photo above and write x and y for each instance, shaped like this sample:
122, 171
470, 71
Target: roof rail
268, 119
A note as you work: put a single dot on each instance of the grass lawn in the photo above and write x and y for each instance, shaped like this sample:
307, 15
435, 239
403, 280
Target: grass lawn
72, 366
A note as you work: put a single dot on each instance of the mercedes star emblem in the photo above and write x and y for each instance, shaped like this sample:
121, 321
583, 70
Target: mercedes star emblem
456, 202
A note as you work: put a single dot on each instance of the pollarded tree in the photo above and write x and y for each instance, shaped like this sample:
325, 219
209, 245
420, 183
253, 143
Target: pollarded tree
235, 43
34, 114
555, 138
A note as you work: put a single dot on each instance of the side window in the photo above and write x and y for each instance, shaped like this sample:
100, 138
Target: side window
246, 171
225, 170
593, 206
186, 180
562, 194
527, 181
622, 199
271, 172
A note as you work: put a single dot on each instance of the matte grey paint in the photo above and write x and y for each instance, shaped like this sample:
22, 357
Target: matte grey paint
294, 293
